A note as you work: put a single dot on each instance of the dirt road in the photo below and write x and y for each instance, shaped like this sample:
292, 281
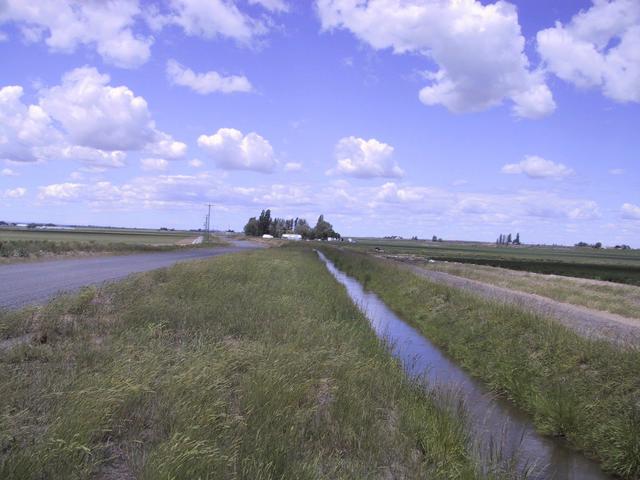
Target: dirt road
35, 283
586, 322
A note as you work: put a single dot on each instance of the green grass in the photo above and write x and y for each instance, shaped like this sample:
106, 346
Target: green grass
250, 366
600, 264
610, 297
585, 391
110, 236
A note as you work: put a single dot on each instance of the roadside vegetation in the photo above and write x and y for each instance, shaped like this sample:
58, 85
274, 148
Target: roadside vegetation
583, 390
11, 250
605, 296
255, 365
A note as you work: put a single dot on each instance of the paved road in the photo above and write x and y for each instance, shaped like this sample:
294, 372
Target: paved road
586, 322
34, 283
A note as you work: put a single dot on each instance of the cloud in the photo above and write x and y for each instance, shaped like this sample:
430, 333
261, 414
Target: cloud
15, 193
65, 25
211, 19
537, 167
7, 172
205, 83
158, 164
231, 150
631, 211
196, 163
97, 115
362, 158
292, 167
23, 128
616, 171
272, 5
60, 191
599, 47
479, 49
84, 118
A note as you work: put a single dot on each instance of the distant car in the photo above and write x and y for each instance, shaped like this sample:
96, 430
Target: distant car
267, 236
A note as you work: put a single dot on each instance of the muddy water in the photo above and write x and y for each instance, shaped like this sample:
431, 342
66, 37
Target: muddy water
493, 421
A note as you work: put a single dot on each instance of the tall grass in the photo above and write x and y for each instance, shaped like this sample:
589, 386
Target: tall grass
583, 390
251, 366
39, 248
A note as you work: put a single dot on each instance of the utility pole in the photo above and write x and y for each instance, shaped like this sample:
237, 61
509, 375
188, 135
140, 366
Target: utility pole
208, 224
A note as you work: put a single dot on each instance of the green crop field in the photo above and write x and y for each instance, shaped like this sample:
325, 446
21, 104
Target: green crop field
622, 266
100, 235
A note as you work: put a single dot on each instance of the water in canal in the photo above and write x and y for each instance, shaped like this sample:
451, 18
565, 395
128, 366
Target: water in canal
490, 418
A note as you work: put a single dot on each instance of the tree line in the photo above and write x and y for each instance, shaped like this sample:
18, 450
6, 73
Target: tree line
265, 224
507, 239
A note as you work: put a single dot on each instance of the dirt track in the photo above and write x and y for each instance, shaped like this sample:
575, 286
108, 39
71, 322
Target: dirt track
36, 282
586, 322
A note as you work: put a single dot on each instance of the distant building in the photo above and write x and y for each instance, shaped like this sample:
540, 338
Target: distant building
292, 236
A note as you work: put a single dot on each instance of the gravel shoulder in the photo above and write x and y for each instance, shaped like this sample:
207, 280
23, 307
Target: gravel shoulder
586, 322
35, 283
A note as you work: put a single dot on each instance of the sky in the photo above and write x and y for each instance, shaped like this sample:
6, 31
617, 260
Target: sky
457, 118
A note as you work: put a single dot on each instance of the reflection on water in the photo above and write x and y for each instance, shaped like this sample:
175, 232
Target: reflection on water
492, 419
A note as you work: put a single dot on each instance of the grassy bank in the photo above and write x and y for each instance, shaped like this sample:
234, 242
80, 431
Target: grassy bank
254, 366
17, 249
609, 297
585, 391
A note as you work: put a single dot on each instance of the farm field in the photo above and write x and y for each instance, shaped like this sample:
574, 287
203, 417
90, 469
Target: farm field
255, 365
126, 236
584, 391
605, 296
17, 244
621, 266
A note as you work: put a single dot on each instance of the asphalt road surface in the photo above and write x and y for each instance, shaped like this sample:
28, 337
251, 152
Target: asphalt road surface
35, 283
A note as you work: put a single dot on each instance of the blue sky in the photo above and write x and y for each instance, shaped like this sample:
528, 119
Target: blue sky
459, 118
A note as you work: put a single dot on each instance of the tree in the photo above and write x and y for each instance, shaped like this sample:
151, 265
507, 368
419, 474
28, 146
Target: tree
517, 239
434, 238
324, 229
252, 228
302, 228
508, 239
597, 245
264, 221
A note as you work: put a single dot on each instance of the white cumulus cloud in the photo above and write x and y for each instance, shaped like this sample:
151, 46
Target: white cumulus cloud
84, 118
599, 47
629, 210
272, 5
232, 150
211, 19
7, 172
205, 83
98, 115
24, 129
537, 167
15, 192
158, 164
362, 158
64, 25
479, 49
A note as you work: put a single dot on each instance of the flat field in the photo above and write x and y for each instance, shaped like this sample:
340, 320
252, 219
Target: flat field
605, 296
622, 266
248, 366
98, 235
